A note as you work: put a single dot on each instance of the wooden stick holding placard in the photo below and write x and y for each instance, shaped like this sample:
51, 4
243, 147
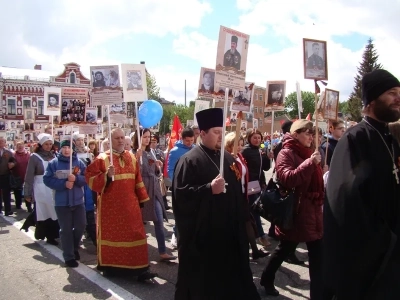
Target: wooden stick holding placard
71, 151
138, 130
221, 162
109, 138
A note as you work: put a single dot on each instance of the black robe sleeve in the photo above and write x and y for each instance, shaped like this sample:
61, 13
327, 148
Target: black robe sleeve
356, 239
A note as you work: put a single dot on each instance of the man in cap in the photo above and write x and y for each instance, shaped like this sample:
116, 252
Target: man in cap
213, 245
232, 57
362, 208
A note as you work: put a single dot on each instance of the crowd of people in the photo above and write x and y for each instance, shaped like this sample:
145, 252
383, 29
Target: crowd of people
345, 184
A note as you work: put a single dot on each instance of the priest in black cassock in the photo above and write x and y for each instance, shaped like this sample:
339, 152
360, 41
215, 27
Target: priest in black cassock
362, 208
213, 246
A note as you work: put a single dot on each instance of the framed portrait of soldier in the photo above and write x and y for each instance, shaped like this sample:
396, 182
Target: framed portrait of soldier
315, 59
275, 95
231, 62
330, 104
29, 115
243, 125
206, 83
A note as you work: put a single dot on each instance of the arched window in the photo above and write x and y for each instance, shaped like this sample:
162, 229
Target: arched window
72, 77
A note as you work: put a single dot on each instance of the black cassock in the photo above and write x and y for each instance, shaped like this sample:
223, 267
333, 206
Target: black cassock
213, 247
362, 216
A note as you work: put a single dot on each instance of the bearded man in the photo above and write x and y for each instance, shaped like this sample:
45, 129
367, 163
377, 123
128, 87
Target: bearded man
362, 209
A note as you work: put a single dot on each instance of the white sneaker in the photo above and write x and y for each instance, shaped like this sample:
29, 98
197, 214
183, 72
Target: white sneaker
174, 241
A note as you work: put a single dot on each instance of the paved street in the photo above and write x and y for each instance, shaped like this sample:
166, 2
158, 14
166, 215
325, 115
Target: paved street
32, 269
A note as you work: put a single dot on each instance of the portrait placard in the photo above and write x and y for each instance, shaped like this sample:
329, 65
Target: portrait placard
206, 83
315, 59
331, 104
134, 82
106, 85
243, 125
275, 95
230, 70
255, 123
243, 99
118, 113
73, 105
52, 99
91, 114
200, 105
233, 118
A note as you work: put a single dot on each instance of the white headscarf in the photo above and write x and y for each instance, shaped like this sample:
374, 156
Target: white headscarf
44, 137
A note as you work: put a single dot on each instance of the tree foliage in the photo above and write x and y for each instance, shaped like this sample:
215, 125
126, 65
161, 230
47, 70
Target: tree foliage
153, 91
291, 107
368, 64
184, 113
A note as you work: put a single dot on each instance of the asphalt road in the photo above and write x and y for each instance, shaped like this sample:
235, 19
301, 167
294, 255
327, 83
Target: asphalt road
34, 270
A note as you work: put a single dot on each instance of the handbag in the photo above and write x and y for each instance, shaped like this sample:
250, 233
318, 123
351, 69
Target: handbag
276, 205
253, 187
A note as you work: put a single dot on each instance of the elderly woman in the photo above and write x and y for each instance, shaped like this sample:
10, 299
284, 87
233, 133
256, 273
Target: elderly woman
128, 143
34, 188
21, 157
154, 209
299, 169
244, 173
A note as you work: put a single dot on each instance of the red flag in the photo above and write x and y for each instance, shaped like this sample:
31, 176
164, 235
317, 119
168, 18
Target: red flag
308, 117
228, 122
175, 135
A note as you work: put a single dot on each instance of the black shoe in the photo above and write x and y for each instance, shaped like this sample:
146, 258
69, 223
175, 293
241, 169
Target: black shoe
259, 254
147, 275
8, 213
72, 263
292, 259
29, 209
77, 256
52, 242
270, 290
18, 207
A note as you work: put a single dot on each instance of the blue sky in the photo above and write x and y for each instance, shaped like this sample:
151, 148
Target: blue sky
177, 37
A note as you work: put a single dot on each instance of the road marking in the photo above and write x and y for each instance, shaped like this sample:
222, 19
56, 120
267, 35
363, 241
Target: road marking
115, 290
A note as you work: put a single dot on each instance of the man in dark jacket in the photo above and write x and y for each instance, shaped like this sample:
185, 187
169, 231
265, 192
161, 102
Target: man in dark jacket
329, 142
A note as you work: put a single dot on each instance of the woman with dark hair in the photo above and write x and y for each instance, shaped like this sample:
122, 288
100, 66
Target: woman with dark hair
154, 209
298, 169
257, 162
244, 178
34, 188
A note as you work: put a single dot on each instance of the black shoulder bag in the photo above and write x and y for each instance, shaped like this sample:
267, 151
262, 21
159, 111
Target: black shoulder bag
276, 204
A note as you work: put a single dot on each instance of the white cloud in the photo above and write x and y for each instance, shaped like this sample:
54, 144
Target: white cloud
306, 19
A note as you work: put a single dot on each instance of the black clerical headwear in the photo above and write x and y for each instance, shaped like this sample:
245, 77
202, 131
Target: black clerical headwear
209, 118
376, 83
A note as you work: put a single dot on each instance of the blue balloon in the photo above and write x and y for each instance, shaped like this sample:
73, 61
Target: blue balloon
150, 113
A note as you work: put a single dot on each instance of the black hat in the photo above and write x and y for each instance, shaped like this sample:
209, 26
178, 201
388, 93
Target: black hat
286, 126
376, 83
234, 39
209, 118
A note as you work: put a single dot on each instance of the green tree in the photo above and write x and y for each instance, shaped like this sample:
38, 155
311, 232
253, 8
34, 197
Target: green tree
368, 64
344, 107
153, 91
183, 112
291, 107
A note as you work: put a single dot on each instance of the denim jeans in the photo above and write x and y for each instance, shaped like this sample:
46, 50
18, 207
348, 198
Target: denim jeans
72, 222
159, 227
256, 215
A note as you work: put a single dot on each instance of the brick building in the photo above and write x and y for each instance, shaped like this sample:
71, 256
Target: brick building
24, 89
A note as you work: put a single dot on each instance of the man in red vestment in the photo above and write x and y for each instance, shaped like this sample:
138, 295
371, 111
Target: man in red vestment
121, 239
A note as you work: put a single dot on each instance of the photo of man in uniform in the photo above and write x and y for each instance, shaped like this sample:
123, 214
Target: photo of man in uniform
330, 109
275, 95
207, 85
315, 61
134, 79
232, 57
243, 126
233, 118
